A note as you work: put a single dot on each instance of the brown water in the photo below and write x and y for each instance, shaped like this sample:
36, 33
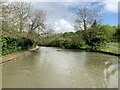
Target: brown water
61, 68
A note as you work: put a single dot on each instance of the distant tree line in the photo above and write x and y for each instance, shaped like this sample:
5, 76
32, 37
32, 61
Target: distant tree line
90, 33
95, 37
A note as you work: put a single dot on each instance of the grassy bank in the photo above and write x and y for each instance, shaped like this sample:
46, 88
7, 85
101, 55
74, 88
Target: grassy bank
109, 48
17, 52
13, 56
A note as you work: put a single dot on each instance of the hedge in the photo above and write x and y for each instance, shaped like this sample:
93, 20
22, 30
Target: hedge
14, 44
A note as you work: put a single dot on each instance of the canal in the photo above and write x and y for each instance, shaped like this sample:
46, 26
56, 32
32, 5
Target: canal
61, 68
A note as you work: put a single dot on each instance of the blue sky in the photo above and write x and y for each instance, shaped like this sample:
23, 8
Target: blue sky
110, 18
61, 13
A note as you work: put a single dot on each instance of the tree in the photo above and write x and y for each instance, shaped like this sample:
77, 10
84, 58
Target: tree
117, 34
50, 29
37, 20
5, 16
47, 35
86, 17
20, 13
95, 36
36, 24
109, 32
15, 16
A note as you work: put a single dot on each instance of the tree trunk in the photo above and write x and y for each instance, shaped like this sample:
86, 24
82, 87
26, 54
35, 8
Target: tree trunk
85, 26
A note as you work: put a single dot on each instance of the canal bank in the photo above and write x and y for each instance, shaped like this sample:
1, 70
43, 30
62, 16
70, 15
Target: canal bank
104, 51
100, 51
13, 57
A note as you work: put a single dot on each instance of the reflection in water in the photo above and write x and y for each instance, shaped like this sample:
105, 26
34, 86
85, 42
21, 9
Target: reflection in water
62, 68
119, 72
1, 77
111, 69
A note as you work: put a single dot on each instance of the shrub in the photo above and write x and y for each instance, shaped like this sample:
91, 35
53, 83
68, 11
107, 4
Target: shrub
12, 44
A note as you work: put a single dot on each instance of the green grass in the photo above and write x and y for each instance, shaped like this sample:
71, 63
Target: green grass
13, 53
114, 44
111, 47
18, 52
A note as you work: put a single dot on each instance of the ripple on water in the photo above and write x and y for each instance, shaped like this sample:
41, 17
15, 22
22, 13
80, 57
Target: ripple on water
65, 68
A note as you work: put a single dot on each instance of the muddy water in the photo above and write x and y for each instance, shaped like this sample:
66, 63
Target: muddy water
61, 68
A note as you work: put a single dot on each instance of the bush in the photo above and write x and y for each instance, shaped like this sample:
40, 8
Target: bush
95, 37
12, 44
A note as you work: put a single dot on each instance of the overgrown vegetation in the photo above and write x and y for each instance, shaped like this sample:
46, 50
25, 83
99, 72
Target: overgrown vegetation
24, 27
21, 24
100, 37
11, 44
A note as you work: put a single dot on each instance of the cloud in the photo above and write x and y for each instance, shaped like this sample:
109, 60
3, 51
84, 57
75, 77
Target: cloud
62, 26
62, 13
62, 16
66, 0
44, 0
57, 14
111, 6
54, 11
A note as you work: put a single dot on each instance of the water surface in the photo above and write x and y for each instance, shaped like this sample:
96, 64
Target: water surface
61, 68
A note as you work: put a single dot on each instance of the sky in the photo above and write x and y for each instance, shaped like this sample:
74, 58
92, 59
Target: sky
61, 13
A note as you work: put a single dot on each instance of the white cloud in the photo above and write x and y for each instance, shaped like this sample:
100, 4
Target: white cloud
58, 12
54, 11
111, 6
44, 0
62, 26
66, 0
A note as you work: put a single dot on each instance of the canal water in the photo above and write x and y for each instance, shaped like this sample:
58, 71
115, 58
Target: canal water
61, 68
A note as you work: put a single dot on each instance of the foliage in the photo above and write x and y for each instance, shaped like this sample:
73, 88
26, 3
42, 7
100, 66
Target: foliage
117, 34
68, 40
21, 24
85, 18
95, 37
24, 26
11, 44
109, 31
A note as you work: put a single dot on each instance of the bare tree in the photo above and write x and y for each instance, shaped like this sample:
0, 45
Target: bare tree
22, 18
20, 14
86, 17
50, 29
37, 21
5, 15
